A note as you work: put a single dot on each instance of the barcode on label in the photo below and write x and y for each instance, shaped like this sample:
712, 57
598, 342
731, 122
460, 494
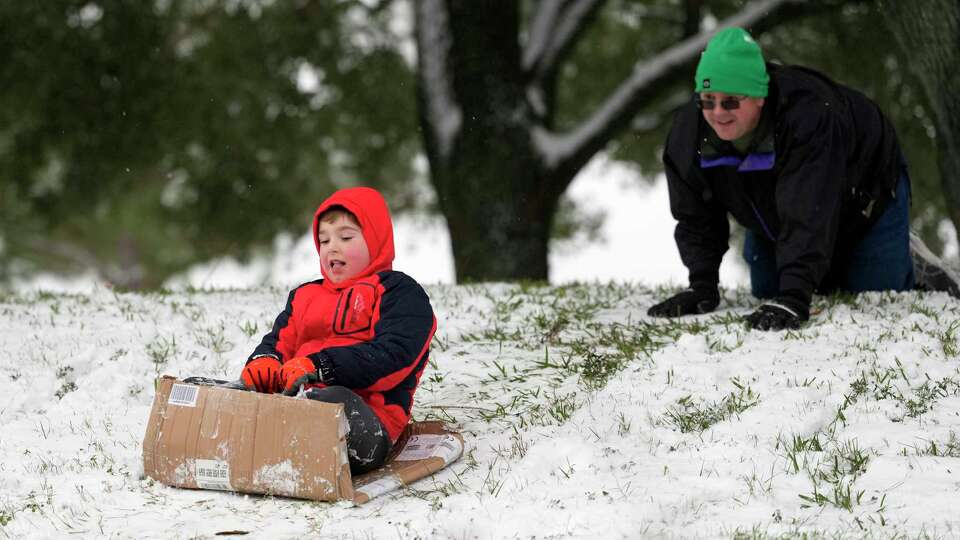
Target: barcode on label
183, 395
210, 474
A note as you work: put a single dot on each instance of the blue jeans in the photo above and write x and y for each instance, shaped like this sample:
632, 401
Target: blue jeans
880, 262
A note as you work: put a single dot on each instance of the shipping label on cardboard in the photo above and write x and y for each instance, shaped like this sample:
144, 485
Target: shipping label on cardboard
444, 446
212, 474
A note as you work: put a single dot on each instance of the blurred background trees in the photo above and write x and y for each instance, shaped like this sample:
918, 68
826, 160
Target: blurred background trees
929, 38
138, 137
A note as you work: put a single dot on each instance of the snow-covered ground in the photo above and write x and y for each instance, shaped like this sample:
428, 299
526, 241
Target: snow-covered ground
583, 418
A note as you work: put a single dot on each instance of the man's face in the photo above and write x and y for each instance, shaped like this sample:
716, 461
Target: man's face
731, 124
343, 250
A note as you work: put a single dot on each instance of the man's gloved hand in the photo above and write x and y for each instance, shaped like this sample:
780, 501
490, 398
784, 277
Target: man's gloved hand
262, 374
297, 372
782, 312
688, 302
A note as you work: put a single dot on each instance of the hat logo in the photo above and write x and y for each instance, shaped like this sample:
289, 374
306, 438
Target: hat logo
706, 83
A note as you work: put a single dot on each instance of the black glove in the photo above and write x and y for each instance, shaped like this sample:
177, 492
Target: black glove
688, 302
782, 312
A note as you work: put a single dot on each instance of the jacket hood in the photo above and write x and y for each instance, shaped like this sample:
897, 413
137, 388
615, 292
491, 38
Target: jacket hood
368, 205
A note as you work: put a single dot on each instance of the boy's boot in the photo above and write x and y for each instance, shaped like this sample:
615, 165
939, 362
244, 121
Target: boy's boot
930, 272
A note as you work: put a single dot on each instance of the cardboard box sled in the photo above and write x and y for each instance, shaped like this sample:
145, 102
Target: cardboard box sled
213, 437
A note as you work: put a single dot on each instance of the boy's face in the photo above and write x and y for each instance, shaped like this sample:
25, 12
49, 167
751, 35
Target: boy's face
343, 251
731, 124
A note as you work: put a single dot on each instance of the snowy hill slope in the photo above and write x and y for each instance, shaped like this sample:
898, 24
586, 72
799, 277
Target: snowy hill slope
583, 418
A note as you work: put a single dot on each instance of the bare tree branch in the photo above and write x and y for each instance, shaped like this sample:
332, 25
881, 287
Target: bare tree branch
441, 110
541, 31
556, 26
555, 33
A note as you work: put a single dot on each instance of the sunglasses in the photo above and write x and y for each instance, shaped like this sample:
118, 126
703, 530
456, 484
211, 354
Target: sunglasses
728, 103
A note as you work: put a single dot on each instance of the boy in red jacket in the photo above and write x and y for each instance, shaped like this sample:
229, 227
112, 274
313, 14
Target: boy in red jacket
360, 336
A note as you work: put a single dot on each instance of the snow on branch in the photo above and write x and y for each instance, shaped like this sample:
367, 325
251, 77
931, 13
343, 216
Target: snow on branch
558, 149
555, 26
434, 41
541, 30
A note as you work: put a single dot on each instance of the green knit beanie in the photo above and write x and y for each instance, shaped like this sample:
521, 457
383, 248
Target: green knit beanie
732, 64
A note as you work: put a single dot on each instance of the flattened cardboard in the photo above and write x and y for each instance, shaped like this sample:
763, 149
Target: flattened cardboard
423, 449
213, 437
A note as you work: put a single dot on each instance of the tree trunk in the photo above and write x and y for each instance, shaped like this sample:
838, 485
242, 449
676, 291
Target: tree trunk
929, 35
490, 186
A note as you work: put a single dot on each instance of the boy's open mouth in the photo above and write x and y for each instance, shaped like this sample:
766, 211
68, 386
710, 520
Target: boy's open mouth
334, 264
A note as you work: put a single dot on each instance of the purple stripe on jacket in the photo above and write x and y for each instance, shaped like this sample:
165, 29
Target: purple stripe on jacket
752, 162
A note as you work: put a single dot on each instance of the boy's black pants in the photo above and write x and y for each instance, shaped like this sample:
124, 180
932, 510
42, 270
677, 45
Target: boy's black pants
368, 442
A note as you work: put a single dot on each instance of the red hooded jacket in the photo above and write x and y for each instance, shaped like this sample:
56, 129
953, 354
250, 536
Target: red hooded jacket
370, 333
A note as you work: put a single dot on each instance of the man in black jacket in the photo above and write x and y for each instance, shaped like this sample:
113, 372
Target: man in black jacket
812, 169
